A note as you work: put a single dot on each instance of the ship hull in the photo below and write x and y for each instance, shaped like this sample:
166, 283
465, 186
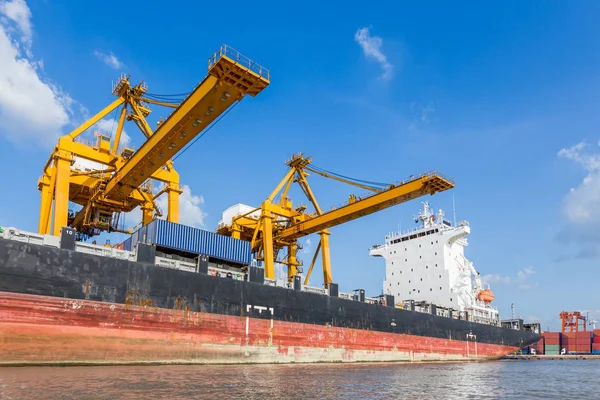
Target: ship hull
50, 330
63, 307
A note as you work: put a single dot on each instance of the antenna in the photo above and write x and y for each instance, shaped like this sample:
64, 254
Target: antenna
512, 308
454, 209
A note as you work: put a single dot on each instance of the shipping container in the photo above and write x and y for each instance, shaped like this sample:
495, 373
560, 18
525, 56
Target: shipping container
596, 346
127, 244
168, 235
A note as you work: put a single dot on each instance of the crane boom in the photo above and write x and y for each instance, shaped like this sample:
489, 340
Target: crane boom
102, 180
277, 225
428, 183
230, 77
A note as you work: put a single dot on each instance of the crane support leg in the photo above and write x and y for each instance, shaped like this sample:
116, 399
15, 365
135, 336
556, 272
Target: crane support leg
87, 124
47, 195
119, 130
292, 261
325, 258
267, 232
147, 212
173, 193
61, 202
312, 264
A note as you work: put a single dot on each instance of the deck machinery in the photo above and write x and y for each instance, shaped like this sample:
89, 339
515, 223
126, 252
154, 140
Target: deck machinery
118, 181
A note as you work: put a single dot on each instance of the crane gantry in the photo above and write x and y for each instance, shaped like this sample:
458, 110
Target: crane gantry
115, 182
276, 225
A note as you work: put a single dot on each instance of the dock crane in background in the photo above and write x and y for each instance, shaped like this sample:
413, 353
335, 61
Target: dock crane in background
570, 321
113, 182
276, 224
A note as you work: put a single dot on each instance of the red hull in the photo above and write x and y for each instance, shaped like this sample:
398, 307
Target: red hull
50, 330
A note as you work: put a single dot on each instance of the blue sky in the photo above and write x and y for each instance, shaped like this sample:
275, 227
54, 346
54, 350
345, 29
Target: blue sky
502, 97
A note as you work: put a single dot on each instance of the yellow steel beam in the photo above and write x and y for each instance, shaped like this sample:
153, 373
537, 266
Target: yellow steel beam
287, 178
160, 103
47, 194
268, 255
87, 124
325, 258
227, 82
292, 261
312, 264
119, 130
140, 120
425, 184
173, 193
61, 190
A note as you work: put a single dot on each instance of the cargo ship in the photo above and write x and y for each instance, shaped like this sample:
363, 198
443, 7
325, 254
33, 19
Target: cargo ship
176, 294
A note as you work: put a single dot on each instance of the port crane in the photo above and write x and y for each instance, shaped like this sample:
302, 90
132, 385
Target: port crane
277, 225
114, 181
570, 321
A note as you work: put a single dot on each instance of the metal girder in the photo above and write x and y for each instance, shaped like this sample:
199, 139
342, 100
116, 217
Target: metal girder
228, 81
425, 184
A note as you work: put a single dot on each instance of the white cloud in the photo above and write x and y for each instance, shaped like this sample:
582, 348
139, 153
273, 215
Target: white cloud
108, 126
32, 109
190, 212
521, 278
19, 13
582, 203
524, 273
496, 278
109, 59
307, 246
371, 47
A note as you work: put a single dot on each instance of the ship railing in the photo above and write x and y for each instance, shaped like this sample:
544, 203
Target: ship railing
29, 237
313, 289
278, 283
373, 300
239, 59
99, 250
347, 296
175, 264
225, 273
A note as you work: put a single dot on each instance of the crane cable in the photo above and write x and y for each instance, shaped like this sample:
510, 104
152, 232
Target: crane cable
372, 184
205, 131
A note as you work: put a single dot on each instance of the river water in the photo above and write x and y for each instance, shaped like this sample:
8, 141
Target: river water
559, 379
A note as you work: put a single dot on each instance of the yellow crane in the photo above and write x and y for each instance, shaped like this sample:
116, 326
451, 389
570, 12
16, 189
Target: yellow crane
276, 225
106, 182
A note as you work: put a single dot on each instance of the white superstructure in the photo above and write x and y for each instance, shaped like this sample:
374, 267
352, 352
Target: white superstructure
428, 265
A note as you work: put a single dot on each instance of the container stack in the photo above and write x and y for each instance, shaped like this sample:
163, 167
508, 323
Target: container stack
583, 343
539, 346
552, 343
596, 342
568, 341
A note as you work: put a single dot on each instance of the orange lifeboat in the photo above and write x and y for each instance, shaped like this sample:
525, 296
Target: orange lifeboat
486, 296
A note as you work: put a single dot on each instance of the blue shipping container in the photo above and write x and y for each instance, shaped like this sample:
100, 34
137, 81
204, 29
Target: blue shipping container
192, 240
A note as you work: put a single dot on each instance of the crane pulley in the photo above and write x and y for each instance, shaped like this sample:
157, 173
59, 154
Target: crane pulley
105, 182
276, 225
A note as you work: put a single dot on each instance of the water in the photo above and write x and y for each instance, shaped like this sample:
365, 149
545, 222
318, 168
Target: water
559, 379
